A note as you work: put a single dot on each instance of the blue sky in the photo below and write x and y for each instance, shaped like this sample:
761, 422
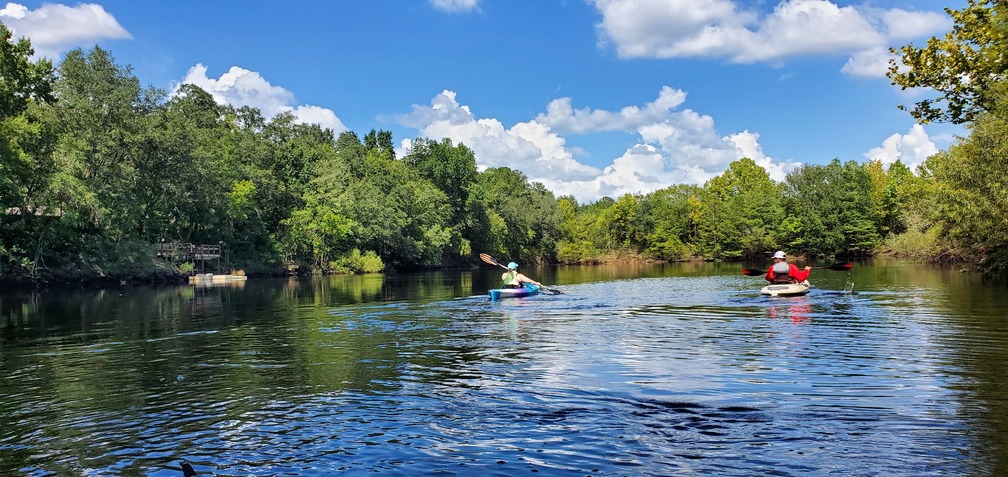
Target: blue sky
589, 97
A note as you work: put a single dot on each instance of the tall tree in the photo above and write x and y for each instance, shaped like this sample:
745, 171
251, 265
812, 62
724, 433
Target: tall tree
830, 210
31, 177
452, 168
665, 216
101, 109
24, 83
523, 216
961, 67
381, 140
744, 210
971, 183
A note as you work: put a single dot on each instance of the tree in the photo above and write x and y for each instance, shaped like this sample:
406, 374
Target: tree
453, 170
33, 180
381, 140
23, 83
743, 209
961, 67
971, 185
22, 80
101, 118
889, 195
523, 217
830, 210
665, 218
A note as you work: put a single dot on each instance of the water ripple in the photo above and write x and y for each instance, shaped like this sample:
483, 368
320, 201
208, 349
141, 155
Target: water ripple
648, 377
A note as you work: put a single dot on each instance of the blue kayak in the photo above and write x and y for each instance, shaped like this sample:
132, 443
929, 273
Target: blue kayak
527, 290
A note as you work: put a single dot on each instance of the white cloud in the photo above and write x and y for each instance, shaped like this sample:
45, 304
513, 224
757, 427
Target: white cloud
455, 6
911, 148
747, 145
240, 87
672, 147
561, 117
54, 29
724, 29
905, 25
871, 63
530, 147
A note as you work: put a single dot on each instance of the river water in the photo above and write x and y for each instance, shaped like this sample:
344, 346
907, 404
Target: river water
680, 369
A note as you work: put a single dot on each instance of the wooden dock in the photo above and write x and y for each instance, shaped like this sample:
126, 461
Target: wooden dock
189, 252
210, 279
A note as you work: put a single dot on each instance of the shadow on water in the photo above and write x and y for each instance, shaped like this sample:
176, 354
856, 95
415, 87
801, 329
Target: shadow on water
642, 370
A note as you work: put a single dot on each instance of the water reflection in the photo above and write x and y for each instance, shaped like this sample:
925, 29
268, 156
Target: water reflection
648, 370
797, 309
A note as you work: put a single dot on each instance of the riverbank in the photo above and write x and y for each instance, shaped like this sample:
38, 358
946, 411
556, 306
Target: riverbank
84, 275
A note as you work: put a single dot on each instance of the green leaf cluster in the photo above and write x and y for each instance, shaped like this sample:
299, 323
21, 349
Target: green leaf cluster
960, 67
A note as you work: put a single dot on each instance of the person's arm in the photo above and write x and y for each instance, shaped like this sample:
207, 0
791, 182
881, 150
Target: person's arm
770, 275
524, 279
800, 275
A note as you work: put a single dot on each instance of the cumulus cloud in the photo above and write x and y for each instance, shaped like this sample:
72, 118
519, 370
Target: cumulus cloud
672, 146
871, 63
726, 29
911, 148
531, 147
455, 6
240, 87
563, 118
747, 145
54, 29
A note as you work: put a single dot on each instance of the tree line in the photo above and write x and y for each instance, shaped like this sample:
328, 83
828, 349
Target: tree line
96, 169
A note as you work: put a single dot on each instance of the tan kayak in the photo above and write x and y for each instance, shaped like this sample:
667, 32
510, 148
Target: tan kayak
787, 289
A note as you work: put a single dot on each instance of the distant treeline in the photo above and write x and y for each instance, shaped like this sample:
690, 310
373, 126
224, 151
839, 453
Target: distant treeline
97, 170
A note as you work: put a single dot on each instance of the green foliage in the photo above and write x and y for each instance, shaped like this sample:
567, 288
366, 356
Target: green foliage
916, 243
22, 81
97, 168
833, 206
380, 140
665, 217
355, 262
523, 217
31, 178
971, 189
741, 209
187, 268
961, 67
452, 169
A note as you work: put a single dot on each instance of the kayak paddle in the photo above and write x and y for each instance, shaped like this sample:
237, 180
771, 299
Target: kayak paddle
836, 266
488, 259
752, 272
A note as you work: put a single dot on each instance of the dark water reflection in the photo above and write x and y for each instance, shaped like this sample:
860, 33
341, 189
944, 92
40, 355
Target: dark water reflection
634, 370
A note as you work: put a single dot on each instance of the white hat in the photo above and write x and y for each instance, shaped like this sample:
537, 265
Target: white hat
779, 254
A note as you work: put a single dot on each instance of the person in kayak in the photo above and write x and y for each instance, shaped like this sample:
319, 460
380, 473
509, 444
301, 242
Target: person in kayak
783, 272
513, 279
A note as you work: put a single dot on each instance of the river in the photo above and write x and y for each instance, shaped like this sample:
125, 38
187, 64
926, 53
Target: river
636, 370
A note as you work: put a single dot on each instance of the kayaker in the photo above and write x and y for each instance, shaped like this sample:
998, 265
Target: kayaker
513, 279
783, 272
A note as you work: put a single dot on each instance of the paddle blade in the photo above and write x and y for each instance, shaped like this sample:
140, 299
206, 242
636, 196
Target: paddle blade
488, 259
840, 266
752, 272
187, 470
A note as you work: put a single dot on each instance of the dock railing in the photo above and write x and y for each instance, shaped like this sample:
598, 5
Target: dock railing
197, 254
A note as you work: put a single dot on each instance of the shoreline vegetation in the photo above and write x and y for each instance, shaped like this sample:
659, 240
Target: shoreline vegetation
154, 271
97, 171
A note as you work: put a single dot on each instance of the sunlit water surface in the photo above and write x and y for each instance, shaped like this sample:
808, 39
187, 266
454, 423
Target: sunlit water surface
660, 370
